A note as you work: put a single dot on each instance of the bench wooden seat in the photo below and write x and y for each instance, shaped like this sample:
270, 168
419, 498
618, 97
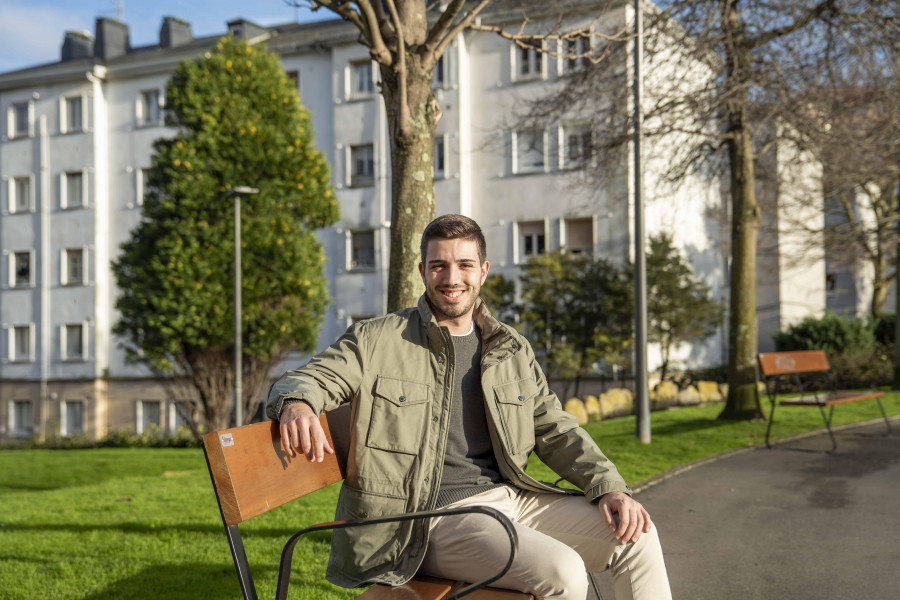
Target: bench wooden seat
773, 366
251, 475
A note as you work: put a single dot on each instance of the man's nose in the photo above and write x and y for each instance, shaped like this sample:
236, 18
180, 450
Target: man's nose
454, 274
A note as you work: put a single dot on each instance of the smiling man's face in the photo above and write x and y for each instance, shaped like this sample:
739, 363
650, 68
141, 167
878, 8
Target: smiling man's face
453, 276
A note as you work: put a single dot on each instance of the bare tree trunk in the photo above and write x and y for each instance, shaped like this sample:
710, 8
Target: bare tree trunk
412, 177
743, 400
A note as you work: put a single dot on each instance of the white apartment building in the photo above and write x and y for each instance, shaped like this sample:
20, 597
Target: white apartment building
75, 146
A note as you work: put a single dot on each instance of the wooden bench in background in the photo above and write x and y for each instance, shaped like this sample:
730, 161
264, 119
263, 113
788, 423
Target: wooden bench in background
251, 475
799, 365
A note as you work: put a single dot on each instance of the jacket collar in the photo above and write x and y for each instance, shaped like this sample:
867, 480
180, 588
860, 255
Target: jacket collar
499, 342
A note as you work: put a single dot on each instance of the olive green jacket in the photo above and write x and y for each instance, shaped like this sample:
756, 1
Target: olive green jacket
397, 372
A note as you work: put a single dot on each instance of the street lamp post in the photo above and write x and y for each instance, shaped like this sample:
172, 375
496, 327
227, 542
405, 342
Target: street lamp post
236, 193
642, 402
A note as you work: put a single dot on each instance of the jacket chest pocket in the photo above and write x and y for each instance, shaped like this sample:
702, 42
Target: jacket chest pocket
399, 413
515, 403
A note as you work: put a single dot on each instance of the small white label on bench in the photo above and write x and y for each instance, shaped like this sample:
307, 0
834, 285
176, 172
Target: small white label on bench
785, 363
227, 440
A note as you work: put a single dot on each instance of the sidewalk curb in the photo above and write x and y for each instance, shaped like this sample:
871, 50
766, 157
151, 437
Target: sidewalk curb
674, 471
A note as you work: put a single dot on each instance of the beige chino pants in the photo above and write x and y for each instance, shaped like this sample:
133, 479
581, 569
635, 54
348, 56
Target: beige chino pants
561, 538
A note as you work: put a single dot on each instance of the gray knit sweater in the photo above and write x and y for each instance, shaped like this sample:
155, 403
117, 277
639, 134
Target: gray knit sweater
469, 463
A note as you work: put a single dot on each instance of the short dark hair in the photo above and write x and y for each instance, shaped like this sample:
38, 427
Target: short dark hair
453, 227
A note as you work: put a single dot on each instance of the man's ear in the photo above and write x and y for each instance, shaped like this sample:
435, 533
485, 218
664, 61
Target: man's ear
422, 272
485, 267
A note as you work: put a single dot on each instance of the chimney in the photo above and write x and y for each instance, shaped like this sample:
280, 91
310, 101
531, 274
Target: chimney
76, 45
174, 32
243, 29
111, 39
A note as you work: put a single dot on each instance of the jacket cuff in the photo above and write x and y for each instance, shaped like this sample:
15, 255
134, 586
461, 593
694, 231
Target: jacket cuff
277, 406
605, 487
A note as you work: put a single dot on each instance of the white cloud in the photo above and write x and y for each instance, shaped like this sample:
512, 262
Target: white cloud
32, 33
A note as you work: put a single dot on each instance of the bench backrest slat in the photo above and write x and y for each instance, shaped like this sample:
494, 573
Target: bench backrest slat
252, 473
800, 361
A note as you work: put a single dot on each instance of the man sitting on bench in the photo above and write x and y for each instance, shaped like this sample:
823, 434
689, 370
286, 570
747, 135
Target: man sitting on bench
447, 405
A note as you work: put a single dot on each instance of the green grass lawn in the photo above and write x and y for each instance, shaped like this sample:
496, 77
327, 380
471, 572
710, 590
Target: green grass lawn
143, 523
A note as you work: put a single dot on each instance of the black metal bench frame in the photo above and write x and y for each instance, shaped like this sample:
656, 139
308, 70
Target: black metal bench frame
803, 363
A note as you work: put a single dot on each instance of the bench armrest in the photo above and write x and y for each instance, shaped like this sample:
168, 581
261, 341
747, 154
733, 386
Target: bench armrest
288, 552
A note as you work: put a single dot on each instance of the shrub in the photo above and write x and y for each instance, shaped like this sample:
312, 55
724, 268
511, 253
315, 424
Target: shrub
832, 333
883, 328
114, 439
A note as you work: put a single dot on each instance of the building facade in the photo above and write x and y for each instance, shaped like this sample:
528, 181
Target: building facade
75, 151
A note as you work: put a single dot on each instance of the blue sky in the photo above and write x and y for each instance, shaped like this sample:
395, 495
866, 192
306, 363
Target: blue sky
32, 31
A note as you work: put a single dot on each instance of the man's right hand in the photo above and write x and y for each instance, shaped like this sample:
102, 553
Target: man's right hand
302, 432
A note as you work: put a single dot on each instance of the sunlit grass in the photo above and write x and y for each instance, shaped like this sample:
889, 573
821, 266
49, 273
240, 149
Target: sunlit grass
143, 523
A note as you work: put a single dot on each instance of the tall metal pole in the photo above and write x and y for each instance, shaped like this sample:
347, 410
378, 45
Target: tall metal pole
238, 337
642, 401
896, 385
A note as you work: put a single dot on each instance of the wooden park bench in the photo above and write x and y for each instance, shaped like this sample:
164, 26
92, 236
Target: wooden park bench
251, 475
799, 365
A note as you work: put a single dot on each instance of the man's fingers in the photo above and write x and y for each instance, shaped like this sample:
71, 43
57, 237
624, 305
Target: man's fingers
285, 440
648, 524
637, 528
607, 516
626, 524
305, 445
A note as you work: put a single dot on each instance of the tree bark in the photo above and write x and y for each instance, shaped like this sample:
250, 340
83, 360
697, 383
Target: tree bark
412, 174
743, 399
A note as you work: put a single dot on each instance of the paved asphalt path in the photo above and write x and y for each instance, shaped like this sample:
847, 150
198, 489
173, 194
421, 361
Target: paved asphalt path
788, 523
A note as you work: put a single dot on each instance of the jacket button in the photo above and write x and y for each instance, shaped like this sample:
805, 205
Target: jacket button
434, 419
402, 398
426, 480
521, 398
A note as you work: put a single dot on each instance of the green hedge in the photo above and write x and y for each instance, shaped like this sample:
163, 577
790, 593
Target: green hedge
859, 350
116, 439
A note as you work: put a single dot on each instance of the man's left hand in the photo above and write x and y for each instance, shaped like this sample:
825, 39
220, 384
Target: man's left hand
633, 519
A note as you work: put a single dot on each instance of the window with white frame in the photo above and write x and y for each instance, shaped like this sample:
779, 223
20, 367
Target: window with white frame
577, 145
73, 342
445, 69
439, 76
72, 417
579, 236
73, 193
73, 115
22, 268
21, 420
148, 415
143, 182
148, 106
362, 249
21, 198
440, 157
576, 54
362, 165
73, 270
529, 151
21, 347
532, 239
294, 78
362, 79
528, 59
20, 120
